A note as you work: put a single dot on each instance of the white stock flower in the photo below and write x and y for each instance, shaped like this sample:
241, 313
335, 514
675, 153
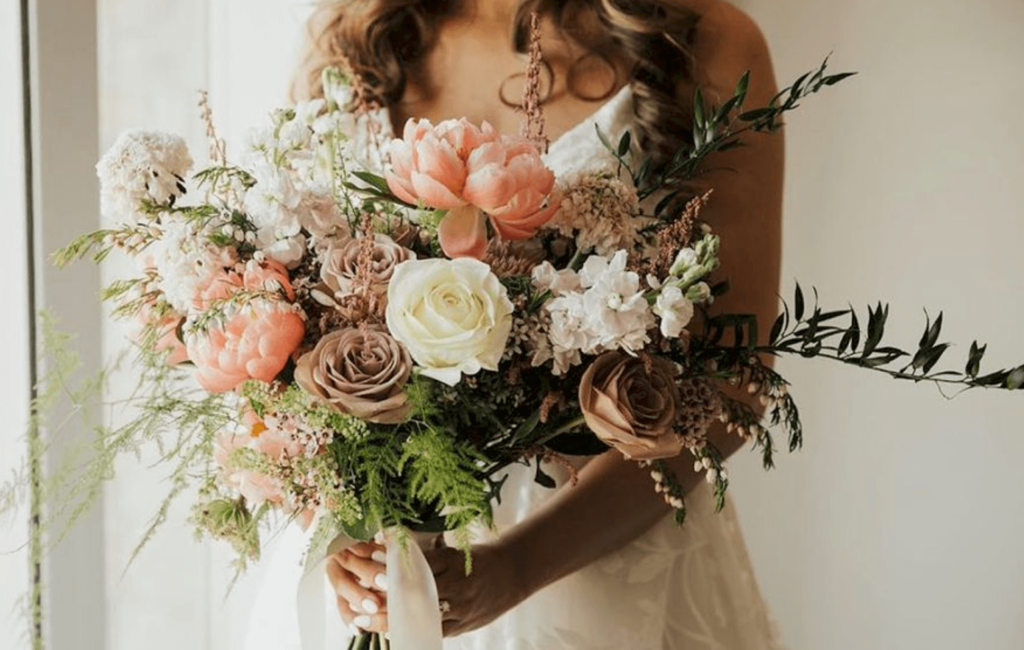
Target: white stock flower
675, 311
546, 278
608, 312
615, 305
454, 316
142, 165
185, 261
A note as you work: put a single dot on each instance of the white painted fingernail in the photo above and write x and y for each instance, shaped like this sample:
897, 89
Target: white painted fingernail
370, 607
379, 537
362, 621
381, 580
364, 584
380, 557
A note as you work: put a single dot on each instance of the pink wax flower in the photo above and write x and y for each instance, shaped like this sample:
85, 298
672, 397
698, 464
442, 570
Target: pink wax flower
256, 337
473, 173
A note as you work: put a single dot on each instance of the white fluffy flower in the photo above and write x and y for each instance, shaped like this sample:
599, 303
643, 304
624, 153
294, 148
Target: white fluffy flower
185, 261
454, 316
608, 311
616, 308
675, 311
546, 278
141, 166
273, 206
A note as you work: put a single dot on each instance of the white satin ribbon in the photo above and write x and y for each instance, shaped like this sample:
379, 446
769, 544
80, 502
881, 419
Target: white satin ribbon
414, 613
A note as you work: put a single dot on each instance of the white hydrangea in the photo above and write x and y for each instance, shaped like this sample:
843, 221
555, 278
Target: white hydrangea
607, 311
141, 166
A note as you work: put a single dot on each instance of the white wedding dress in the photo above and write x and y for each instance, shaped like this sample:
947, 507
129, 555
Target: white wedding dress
689, 588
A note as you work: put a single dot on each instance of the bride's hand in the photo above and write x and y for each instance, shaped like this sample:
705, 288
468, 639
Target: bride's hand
357, 575
471, 601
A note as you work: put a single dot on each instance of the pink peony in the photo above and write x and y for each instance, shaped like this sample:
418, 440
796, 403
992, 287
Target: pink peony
471, 172
509, 181
256, 341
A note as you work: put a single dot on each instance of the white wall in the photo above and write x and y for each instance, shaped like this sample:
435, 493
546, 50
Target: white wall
900, 525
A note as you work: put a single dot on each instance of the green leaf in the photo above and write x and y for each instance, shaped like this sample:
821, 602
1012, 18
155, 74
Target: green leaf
698, 109
931, 333
798, 303
577, 444
741, 88
777, 328
974, 359
1016, 379
933, 357
757, 114
374, 181
542, 478
836, 78
876, 328
624, 143
854, 330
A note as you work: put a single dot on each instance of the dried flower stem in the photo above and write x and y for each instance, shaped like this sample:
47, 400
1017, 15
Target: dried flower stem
218, 149
533, 126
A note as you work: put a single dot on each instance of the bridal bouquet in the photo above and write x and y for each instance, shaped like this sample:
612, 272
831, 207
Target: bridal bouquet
361, 332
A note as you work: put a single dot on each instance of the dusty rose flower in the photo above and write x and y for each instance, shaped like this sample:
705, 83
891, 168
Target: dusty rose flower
359, 372
630, 408
253, 342
468, 171
340, 269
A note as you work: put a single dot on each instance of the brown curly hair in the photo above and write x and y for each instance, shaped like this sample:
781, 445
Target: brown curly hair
380, 40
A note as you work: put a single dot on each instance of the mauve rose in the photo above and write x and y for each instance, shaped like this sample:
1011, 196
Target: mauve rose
341, 264
631, 408
359, 372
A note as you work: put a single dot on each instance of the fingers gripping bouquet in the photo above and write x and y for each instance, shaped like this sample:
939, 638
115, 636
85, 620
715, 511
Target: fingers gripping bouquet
379, 326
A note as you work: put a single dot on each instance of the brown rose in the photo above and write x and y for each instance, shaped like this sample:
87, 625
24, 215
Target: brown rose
359, 372
631, 408
341, 264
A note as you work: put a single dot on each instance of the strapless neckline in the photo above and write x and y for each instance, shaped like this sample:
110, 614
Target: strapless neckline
605, 116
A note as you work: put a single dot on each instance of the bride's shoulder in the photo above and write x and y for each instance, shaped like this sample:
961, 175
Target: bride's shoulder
728, 42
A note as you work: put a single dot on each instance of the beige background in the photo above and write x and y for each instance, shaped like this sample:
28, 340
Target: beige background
901, 523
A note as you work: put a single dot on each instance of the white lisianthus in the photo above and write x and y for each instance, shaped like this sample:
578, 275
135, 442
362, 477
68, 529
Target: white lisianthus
454, 316
675, 311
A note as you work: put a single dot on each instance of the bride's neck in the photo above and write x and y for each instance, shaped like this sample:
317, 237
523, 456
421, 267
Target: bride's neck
497, 11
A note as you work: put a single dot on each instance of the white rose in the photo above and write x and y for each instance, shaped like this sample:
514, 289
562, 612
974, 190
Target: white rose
675, 310
454, 316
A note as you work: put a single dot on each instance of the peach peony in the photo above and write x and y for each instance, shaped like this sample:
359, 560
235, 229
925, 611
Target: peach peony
254, 341
509, 181
473, 173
